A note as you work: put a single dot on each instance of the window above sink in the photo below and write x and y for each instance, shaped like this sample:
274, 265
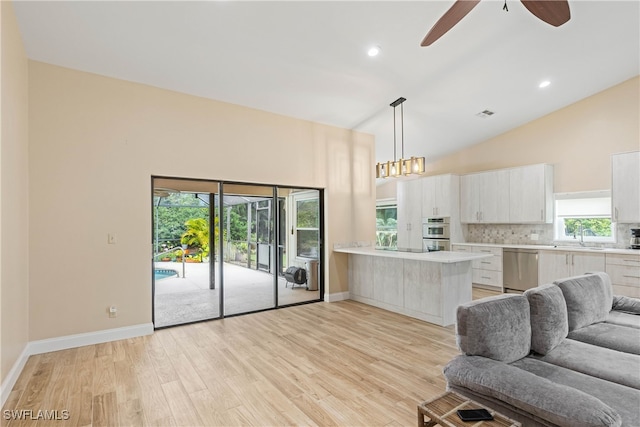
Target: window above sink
584, 217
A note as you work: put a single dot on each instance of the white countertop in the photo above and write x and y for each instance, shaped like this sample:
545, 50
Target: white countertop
444, 257
564, 248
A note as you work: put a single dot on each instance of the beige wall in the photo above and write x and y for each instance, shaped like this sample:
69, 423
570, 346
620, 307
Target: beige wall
96, 141
577, 140
14, 208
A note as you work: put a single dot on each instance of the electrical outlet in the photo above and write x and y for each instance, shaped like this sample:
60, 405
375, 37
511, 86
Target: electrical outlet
113, 311
534, 236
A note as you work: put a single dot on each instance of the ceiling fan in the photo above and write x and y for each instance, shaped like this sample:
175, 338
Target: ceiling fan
553, 12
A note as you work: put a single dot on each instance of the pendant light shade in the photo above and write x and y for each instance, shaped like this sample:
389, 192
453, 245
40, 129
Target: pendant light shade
401, 166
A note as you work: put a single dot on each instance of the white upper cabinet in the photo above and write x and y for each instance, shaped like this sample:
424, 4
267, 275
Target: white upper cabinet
531, 194
409, 223
440, 195
433, 196
625, 187
521, 195
470, 198
484, 197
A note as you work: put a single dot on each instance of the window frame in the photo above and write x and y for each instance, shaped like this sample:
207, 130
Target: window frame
559, 224
386, 204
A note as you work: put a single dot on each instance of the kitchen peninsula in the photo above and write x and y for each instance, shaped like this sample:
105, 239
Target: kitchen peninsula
428, 286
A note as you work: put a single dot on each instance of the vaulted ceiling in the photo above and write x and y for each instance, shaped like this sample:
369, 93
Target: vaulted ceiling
309, 59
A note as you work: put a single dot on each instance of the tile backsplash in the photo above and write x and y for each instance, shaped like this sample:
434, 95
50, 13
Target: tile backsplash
520, 234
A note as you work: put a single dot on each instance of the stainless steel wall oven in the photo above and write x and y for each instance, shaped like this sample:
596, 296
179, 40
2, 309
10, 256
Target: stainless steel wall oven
436, 234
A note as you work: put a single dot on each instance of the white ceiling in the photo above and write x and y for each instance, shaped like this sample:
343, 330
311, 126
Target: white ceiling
308, 59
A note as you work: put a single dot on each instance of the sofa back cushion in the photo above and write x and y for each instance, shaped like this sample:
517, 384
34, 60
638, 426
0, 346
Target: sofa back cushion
549, 322
496, 327
589, 298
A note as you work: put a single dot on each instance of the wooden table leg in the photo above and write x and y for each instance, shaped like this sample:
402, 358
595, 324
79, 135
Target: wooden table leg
422, 422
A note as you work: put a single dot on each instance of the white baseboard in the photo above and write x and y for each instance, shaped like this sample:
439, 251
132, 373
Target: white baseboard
65, 342
89, 338
12, 377
337, 296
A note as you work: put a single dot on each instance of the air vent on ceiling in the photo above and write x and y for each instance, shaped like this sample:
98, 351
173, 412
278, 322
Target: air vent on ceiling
485, 114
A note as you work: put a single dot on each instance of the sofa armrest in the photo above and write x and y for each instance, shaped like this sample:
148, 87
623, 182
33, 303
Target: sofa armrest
556, 403
626, 304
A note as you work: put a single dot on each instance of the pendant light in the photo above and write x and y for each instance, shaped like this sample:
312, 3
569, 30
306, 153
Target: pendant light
402, 166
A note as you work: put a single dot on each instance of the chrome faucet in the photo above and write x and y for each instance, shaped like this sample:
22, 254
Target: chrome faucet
579, 222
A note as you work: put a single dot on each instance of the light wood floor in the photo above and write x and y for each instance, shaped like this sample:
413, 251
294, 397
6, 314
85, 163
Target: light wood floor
343, 364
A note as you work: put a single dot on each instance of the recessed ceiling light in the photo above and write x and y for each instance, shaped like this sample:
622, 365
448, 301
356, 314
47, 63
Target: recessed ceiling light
374, 51
544, 84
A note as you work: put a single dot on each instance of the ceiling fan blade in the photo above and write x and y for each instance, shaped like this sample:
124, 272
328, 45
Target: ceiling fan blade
553, 12
455, 13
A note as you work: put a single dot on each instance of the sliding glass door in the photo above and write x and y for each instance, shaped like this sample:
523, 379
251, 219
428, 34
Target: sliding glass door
249, 269
184, 253
223, 248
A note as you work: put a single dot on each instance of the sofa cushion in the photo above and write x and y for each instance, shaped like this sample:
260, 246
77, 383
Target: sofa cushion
495, 327
626, 304
600, 362
589, 299
622, 318
615, 337
557, 403
549, 323
623, 400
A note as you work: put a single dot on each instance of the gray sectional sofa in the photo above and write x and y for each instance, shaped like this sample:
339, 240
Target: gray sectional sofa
563, 354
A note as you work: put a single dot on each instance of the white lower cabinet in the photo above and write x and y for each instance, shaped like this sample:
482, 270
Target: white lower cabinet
624, 271
555, 265
486, 272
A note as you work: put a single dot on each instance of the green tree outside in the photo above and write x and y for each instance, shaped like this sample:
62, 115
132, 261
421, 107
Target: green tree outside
600, 227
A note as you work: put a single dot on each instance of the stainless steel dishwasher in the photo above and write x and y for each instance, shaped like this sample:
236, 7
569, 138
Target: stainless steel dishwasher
520, 269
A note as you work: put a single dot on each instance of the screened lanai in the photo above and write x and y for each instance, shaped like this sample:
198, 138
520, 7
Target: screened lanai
211, 262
